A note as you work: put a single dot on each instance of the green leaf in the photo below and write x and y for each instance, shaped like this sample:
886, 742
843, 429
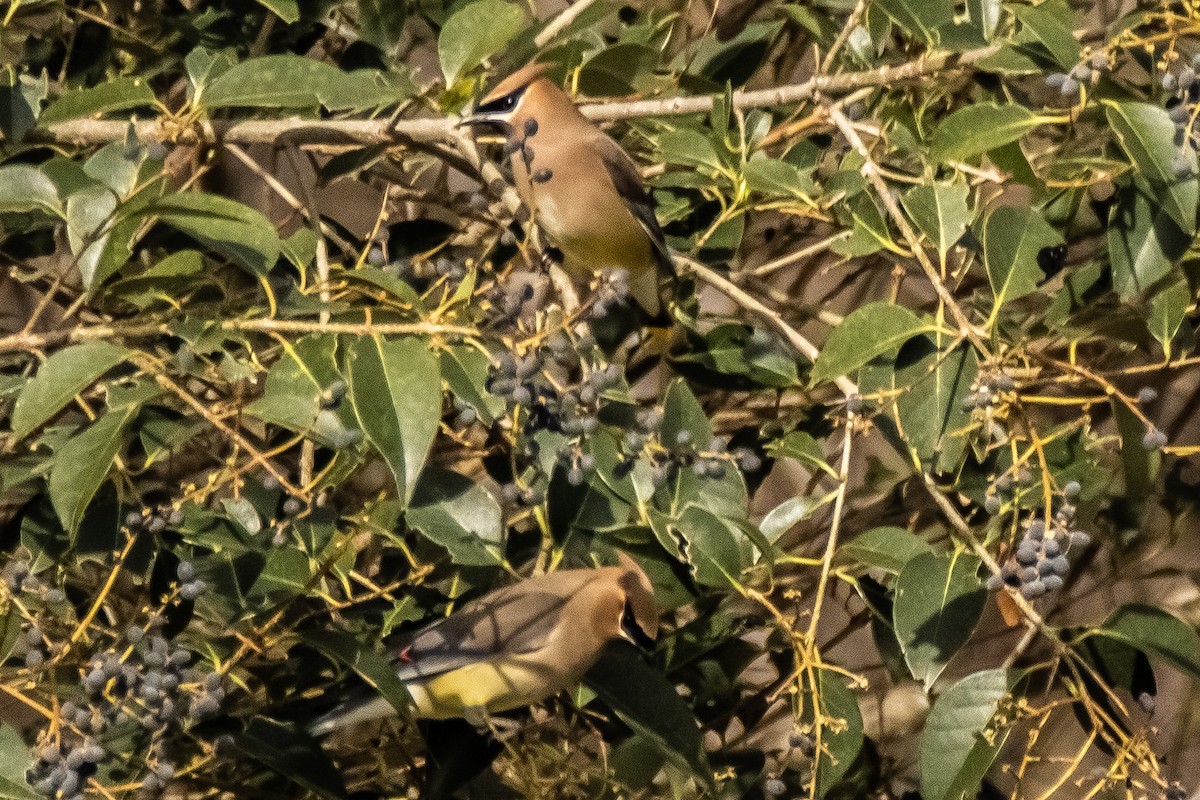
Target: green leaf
976, 129
886, 548
460, 515
64, 375
938, 602
396, 387
291, 81
89, 212
940, 211
294, 755
476, 32
616, 70
780, 519
286, 10
682, 413
870, 331
232, 229
82, 464
381, 22
802, 447
27, 188
714, 549
842, 732
119, 94
1144, 242
21, 99
960, 739
1052, 24
465, 369
650, 705
778, 179
919, 18
929, 411
985, 16
374, 667
1147, 135
1139, 465
1012, 237
1157, 632
1167, 310
296, 390
15, 759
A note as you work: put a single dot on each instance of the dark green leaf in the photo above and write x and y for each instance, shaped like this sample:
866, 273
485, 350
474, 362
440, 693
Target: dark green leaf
381, 22
82, 464
26, 188
374, 667
1012, 238
460, 515
1052, 24
870, 331
291, 81
940, 211
1147, 135
920, 18
930, 412
842, 730
294, 755
476, 32
716, 550
64, 375
1157, 632
649, 704
1167, 310
236, 231
1144, 241
886, 548
960, 739
938, 602
976, 129
119, 94
396, 387
15, 759
21, 99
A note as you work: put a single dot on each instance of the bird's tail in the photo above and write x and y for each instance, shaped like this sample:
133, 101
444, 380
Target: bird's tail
351, 713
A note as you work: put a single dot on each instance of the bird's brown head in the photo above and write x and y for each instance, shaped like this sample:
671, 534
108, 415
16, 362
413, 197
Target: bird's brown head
525, 95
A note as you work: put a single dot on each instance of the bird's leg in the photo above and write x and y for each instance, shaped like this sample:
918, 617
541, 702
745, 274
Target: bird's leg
500, 727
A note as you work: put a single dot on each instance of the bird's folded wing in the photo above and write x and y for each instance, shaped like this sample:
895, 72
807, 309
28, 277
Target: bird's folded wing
628, 182
504, 623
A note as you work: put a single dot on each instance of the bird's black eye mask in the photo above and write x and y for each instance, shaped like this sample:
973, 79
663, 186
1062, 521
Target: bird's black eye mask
634, 631
502, 105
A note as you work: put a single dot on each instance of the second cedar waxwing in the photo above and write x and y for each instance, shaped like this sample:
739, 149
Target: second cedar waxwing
584, 190
515, 646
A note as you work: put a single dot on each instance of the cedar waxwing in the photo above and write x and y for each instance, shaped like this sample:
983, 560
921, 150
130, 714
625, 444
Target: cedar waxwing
515, 646
581, 187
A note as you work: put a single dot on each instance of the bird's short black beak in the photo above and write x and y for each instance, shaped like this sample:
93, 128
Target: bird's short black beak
632, 632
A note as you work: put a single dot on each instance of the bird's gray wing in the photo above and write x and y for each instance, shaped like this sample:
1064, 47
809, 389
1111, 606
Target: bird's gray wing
628, 182
515, 620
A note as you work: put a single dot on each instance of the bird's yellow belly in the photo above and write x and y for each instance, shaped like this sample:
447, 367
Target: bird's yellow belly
593, 241
488, 686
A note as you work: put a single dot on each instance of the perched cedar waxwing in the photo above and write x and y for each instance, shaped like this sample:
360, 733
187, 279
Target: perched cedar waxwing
583, 189
515, 646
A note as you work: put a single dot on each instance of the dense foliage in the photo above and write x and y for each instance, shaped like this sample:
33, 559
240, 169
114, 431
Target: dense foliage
282, 374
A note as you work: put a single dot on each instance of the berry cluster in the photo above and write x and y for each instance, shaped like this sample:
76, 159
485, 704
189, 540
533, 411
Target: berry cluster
1087, 72
987, 391
667, 457
1039, 563
1183, 81
154, 520
612, 292
145, 678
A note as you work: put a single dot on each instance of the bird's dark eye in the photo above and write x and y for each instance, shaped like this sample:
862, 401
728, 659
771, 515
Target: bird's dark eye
501, 105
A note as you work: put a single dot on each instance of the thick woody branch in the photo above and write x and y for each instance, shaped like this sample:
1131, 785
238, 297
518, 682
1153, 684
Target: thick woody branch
349, 133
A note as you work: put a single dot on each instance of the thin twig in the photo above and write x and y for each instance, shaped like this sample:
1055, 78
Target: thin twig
356, 132
739, 296
557, 25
